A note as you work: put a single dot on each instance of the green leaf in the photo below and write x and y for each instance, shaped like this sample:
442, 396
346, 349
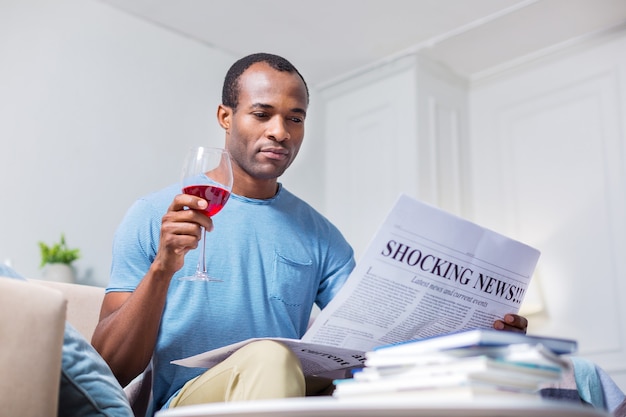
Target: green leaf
58, 253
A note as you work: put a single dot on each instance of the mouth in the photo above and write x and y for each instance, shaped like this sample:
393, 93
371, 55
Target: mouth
275, 153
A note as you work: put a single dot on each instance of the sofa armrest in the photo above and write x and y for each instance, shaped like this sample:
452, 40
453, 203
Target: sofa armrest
32, 323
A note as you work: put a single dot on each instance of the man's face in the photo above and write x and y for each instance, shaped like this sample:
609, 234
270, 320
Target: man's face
264, 133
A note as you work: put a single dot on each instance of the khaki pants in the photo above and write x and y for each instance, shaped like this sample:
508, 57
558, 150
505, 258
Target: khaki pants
260, 370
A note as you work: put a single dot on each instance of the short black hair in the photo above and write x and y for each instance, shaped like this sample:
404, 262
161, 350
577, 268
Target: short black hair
230, 90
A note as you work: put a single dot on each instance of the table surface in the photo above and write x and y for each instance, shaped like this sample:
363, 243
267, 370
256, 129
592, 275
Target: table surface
387, 407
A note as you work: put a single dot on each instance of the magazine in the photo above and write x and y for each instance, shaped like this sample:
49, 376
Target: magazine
476, 338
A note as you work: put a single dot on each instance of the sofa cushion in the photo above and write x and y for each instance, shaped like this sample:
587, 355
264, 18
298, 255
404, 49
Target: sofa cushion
88, 388
83, 304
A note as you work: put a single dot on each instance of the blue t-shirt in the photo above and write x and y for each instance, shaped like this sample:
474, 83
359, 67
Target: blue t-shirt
276, 257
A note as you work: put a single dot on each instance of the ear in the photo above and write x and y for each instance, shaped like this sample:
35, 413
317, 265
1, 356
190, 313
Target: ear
224, 116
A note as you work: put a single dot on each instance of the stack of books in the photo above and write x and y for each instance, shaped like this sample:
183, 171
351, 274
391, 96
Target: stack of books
464, 365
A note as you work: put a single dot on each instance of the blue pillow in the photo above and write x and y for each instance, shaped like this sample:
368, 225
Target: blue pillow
7, 271
87, 388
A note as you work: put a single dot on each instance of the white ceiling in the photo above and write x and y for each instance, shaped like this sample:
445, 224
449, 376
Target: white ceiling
331, 39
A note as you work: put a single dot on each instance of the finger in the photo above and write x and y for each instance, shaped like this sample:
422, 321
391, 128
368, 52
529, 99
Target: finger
501, 325
512, 323
197, 218
183, 224
182, 201
178, 214
517, 321
180, 236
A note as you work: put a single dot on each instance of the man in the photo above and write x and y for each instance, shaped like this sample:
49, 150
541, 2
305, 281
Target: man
276, 255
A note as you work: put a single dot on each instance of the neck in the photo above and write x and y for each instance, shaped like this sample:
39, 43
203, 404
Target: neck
254, 188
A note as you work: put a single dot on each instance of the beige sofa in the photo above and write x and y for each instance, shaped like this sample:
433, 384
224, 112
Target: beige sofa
32, 322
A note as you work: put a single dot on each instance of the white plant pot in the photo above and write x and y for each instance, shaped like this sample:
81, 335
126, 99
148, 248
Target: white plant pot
59, 272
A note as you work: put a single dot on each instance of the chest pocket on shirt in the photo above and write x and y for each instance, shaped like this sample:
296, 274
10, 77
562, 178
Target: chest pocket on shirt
291, 280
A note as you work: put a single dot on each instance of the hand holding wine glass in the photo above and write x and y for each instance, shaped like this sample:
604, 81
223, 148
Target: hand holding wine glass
208, 174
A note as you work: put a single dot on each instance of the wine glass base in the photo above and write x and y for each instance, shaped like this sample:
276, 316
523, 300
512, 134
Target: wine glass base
205, 278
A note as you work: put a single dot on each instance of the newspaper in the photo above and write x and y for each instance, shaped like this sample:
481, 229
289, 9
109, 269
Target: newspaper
426, 272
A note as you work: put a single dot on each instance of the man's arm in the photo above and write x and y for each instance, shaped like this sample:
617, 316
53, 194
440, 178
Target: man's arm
129, 321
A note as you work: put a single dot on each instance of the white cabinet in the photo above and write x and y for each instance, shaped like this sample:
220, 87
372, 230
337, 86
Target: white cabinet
395, 129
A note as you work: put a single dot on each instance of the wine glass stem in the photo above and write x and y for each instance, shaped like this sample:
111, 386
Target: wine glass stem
201, 269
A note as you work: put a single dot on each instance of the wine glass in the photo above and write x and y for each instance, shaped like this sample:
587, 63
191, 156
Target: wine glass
207, 173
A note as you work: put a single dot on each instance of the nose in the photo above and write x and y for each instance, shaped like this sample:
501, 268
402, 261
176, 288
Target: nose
277, 130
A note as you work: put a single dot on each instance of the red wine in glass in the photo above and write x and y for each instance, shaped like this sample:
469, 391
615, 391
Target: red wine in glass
214, 195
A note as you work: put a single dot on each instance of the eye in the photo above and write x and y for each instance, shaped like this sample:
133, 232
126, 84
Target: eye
260, 114
296, 119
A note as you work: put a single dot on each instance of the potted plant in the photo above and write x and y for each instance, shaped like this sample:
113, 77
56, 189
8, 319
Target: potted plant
57, 261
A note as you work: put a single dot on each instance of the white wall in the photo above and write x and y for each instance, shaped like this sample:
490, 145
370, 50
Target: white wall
96, 109
548, 158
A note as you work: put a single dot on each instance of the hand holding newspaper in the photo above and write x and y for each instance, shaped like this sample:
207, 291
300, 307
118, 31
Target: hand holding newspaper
425, 272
